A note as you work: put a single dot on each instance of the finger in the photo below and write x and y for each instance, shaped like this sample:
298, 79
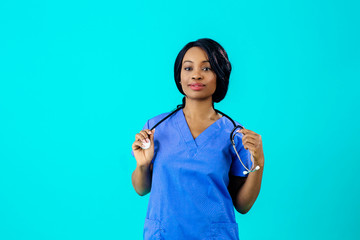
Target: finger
249, 145
246, 131
145, 133
140, 137
140, 144
253, 143
248, 137
152, 135
136, 145
252, 136
149, 132
251, 139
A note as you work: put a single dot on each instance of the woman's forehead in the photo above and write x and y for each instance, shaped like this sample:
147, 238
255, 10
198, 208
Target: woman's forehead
195, 54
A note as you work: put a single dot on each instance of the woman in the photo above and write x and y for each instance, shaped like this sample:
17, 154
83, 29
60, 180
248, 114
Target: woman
194, 175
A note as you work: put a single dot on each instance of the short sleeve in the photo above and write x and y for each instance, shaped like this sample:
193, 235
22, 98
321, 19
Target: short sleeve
146, 126
236, 168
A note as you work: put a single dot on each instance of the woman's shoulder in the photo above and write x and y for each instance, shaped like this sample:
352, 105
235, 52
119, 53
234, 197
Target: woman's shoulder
154, 120
159, 116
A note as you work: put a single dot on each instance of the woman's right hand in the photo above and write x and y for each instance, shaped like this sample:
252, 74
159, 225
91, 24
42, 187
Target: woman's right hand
144, 156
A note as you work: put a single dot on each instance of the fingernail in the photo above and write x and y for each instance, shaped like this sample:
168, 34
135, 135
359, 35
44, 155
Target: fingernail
147, 140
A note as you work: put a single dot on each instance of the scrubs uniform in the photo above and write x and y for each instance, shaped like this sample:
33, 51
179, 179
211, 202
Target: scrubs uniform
189, 198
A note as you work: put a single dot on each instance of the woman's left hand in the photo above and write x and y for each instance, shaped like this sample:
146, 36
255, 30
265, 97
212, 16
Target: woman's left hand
252, 141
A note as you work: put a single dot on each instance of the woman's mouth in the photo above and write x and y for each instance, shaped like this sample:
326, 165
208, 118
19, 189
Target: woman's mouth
197, 86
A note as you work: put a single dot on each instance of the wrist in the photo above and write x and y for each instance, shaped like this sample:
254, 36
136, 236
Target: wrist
143, 166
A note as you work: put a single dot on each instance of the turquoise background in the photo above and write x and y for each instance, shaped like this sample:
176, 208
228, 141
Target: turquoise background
78, 80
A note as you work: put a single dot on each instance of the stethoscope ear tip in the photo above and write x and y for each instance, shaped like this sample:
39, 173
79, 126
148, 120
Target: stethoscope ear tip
256, 168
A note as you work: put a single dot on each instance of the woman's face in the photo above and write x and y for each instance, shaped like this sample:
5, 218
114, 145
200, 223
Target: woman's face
198, 80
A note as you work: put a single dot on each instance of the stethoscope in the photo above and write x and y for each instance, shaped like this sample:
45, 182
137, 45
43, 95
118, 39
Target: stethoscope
232, 136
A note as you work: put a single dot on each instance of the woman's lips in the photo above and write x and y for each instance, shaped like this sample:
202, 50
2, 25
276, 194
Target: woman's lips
197, 86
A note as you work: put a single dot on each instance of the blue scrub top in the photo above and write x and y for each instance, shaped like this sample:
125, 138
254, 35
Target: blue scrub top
189, 198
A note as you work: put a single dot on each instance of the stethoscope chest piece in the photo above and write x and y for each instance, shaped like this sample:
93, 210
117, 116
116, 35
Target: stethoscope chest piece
146, 145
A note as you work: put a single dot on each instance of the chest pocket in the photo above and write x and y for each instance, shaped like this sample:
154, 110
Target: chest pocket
152, 229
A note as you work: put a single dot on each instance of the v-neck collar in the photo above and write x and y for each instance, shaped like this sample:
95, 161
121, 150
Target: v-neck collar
194, 144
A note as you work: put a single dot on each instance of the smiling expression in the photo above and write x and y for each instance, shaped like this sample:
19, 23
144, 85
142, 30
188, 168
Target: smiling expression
198, 80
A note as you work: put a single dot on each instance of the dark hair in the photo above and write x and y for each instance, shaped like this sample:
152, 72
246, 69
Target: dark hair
219, 62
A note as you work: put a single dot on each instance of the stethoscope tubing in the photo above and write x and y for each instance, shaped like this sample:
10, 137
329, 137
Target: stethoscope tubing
232, 136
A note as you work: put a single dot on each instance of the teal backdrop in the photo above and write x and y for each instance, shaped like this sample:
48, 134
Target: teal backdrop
78, 80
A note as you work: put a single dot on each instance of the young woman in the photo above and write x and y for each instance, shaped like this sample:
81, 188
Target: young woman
192, 169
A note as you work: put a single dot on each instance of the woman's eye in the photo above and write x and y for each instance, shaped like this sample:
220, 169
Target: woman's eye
189, 68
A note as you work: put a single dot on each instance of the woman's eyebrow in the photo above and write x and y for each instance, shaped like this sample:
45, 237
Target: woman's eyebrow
192, 61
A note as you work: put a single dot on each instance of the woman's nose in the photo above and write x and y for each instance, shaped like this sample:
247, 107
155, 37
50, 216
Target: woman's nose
196, 75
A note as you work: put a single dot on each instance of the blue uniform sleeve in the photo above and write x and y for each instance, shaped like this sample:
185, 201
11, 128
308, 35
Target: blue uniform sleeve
236, 168
146, 126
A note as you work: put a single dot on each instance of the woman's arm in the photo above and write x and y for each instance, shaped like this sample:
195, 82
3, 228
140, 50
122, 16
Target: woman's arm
246, 190
142, 175
141, 179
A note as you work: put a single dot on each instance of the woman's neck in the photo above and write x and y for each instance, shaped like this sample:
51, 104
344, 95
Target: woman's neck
200, 109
